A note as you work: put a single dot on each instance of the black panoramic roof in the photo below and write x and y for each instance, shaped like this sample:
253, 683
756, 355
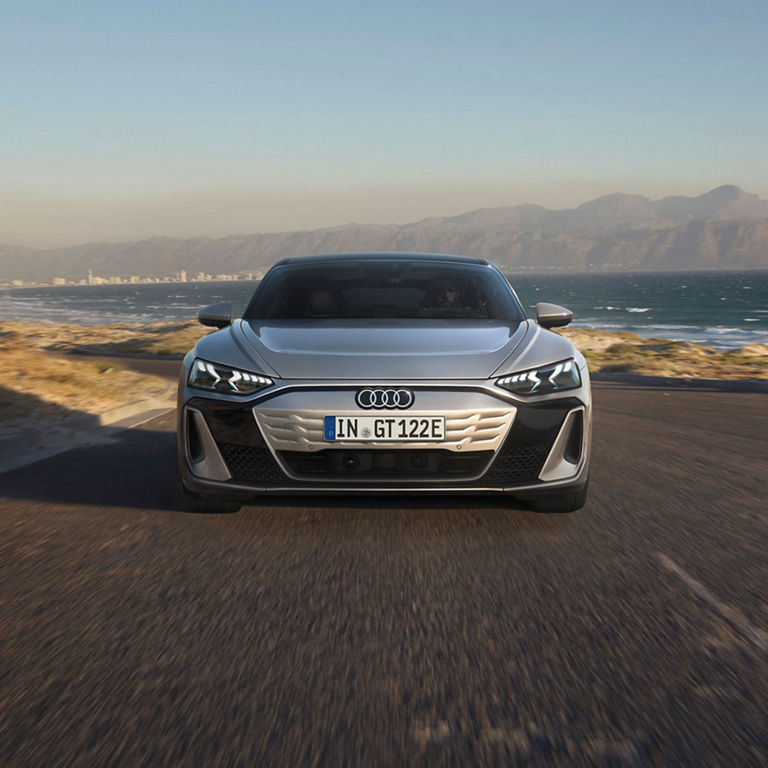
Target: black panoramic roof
383, 255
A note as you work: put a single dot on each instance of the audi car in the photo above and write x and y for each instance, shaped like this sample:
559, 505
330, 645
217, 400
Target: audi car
384, 373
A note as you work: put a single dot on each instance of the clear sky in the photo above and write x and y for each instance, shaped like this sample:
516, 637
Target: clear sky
129, 120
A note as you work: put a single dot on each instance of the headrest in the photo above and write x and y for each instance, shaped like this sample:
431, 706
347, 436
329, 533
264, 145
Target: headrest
323, 303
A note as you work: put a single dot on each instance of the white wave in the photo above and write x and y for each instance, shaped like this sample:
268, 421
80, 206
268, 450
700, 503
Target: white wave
638, 309
719, 337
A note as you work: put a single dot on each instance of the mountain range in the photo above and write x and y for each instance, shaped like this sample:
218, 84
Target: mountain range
725, 228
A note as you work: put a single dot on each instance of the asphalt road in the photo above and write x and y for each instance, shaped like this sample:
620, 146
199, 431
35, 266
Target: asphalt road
377, 631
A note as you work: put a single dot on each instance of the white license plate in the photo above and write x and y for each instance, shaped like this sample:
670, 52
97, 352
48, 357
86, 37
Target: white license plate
385, 428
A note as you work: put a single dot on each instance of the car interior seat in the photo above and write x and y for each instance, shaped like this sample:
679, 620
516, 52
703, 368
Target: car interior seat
324, 303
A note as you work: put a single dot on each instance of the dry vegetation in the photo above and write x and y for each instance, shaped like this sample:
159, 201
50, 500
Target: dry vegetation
627, 353
40, 384
116, 339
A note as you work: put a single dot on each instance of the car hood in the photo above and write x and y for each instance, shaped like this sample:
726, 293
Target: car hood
381, 349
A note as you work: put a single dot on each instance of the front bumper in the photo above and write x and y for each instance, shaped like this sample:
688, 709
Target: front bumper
494, 443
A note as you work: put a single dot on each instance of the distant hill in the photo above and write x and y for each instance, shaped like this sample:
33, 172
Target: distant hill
725, 228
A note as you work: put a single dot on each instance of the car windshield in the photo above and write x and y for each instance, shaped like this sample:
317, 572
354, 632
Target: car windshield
365, 289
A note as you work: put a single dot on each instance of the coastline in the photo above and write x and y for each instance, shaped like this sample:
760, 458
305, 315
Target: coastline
53, 372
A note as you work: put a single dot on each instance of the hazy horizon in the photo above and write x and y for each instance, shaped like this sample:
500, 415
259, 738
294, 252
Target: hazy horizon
170, 218
183, 120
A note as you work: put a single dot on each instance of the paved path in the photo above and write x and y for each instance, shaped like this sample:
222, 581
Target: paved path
375, 631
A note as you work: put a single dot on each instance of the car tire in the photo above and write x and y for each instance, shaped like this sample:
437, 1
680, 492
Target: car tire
200, 505
560, 503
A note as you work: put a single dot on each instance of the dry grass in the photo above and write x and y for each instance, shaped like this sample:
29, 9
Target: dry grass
38, 384
628, 353
115, 339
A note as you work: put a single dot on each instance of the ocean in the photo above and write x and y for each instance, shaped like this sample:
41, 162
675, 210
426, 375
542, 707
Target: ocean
720, 309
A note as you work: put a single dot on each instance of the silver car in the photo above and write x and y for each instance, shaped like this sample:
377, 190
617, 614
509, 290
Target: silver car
384, 372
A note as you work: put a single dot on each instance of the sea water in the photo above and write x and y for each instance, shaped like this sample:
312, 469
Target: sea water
720, 309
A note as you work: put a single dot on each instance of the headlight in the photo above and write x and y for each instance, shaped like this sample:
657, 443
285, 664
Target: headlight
542, 381
221, 378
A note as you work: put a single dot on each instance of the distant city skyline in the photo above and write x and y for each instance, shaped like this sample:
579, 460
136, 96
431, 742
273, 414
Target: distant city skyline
131, 121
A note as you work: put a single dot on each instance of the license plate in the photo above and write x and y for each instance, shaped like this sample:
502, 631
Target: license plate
385, 428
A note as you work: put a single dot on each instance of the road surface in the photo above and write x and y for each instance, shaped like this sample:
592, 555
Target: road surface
379, 631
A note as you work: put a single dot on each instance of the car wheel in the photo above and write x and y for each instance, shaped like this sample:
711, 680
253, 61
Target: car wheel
194, 503
560, 503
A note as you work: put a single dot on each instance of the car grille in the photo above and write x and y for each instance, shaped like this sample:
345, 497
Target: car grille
520, 459
474, 431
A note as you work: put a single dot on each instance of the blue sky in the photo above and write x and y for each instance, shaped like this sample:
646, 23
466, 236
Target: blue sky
147, 118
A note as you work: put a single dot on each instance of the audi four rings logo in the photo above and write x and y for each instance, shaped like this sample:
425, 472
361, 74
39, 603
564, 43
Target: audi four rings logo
384, 398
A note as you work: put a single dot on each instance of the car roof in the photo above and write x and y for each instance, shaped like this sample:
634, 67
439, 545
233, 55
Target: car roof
383, 255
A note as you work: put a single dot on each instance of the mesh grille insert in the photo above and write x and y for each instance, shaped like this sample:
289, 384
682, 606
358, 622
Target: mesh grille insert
251, 465
516, 464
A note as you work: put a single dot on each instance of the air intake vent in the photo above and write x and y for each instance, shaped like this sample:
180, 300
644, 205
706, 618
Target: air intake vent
573, 446
194, 444
397, 465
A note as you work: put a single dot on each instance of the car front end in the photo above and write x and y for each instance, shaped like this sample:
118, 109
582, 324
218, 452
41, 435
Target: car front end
434, 404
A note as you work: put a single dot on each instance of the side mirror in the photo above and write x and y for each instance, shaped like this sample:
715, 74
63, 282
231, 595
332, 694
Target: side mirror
552, 315
217, 315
